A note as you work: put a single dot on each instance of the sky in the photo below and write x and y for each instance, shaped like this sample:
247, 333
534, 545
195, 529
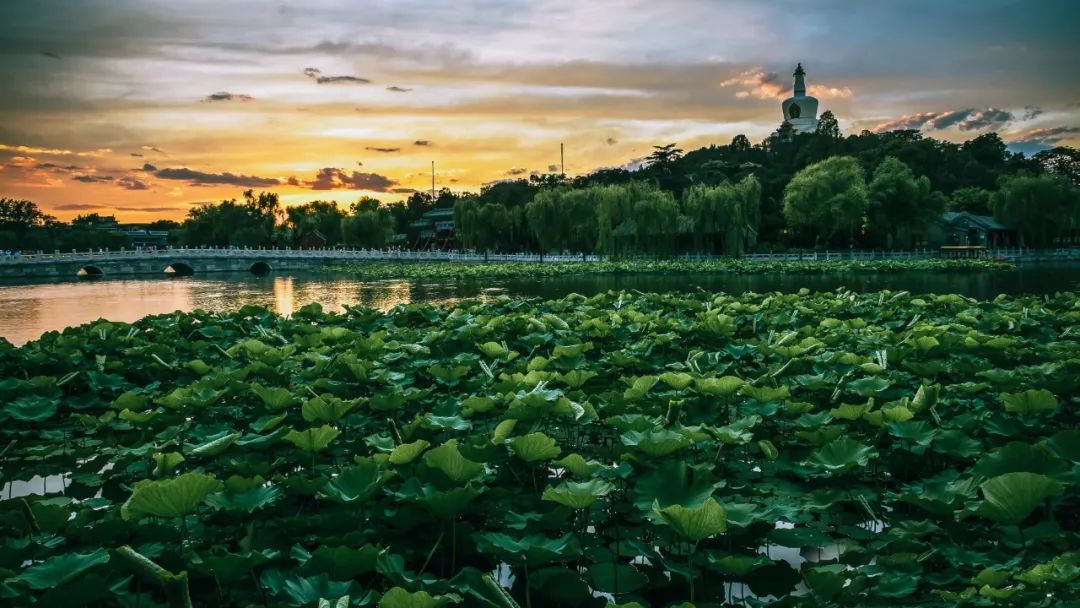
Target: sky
144, 108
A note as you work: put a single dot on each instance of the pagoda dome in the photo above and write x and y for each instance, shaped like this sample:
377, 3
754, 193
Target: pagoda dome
800, 110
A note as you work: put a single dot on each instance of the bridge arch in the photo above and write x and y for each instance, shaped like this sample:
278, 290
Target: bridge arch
179, 269
260, 268
89, 272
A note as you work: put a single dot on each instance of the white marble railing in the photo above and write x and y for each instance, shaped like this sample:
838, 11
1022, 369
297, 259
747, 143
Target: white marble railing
180, 254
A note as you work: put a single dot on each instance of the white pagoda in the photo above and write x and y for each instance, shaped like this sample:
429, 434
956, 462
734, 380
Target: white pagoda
801, 109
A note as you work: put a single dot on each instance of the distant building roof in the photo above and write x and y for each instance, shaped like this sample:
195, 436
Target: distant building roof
964, 217
439, 213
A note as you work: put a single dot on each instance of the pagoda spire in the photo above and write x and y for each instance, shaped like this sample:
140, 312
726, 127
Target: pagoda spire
800, 83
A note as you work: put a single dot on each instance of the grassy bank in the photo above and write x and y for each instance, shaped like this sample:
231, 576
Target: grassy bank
653, 447
503, 270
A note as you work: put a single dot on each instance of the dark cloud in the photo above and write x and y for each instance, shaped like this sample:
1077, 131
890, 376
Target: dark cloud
403, 190
148, 167
611, 141
383, 150
1046, 136
136, 155
51, 55
945, 120
292, 181
359, 163
317, 75
553, 168
148, 209
153, 149
226, 96
56, 167
422, 142
985, 119
330, 178
77, 207
517, 171
131, 183
397, 89
195, 178
92, 179
1031, 112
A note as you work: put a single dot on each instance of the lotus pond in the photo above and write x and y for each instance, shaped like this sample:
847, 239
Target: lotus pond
621, 449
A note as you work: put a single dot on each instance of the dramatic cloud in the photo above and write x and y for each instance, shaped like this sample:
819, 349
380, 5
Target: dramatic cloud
333, 179
988, 118
1031, 112
132, 183
760, 84
92, 179
54, 151
199, 177
383, 150
76, 207
397, 89
422, 142
320, 79
136, 155
226, 96
517, 171
148, 167
1047, 137
54, 166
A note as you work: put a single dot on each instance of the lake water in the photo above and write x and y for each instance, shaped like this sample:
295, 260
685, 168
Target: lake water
27, 310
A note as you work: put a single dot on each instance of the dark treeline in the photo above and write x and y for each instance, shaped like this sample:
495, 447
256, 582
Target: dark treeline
871, 190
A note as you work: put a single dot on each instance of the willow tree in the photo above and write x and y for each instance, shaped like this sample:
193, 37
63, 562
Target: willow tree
828, 198
634, 217
729, 212
1039, 207
901, 203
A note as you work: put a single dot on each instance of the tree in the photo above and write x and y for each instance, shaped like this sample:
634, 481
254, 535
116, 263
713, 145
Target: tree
828, 198
322, 216
901, 204
828, 126
664, 156
368, 229
19, 216
1063, 161
1039, 207
729, 212
971, 199
740, 143
219, 225
90, 220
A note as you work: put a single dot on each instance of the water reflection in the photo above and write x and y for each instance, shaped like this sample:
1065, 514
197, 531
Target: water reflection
28, 310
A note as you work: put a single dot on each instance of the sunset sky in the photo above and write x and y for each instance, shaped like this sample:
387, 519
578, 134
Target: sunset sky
143, 108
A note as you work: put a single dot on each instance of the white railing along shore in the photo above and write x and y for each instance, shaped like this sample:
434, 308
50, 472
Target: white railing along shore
345, 255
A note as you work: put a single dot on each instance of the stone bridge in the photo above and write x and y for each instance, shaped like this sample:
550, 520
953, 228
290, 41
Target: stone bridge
188, 261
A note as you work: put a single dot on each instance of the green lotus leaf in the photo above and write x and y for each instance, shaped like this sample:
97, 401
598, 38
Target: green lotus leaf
569, 351
533, 549
1029, 401
314, 439
342, 563
738, 565
32, 408
341, 602
677, 381
476, 404
842, 454
247, 501
355, 483
267, 423
326, 409
397, 597
897, 413
920, 433
768, 449
798, 537
656, 443
640, 387
448, 459
61, 569
166, 462
448, 374
851, 411
175, 497
577, 465
724, 386
215, 447
130, 400
673, 481
1018, 456
492, 349
575, 378
1011, 497
578, 495
275, 398
1065, 444
826, 581
694, 523
765, 394
926, 397
560, 584
408, 452
137, 418
502, 431
616, 577
868, 387
533, 447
